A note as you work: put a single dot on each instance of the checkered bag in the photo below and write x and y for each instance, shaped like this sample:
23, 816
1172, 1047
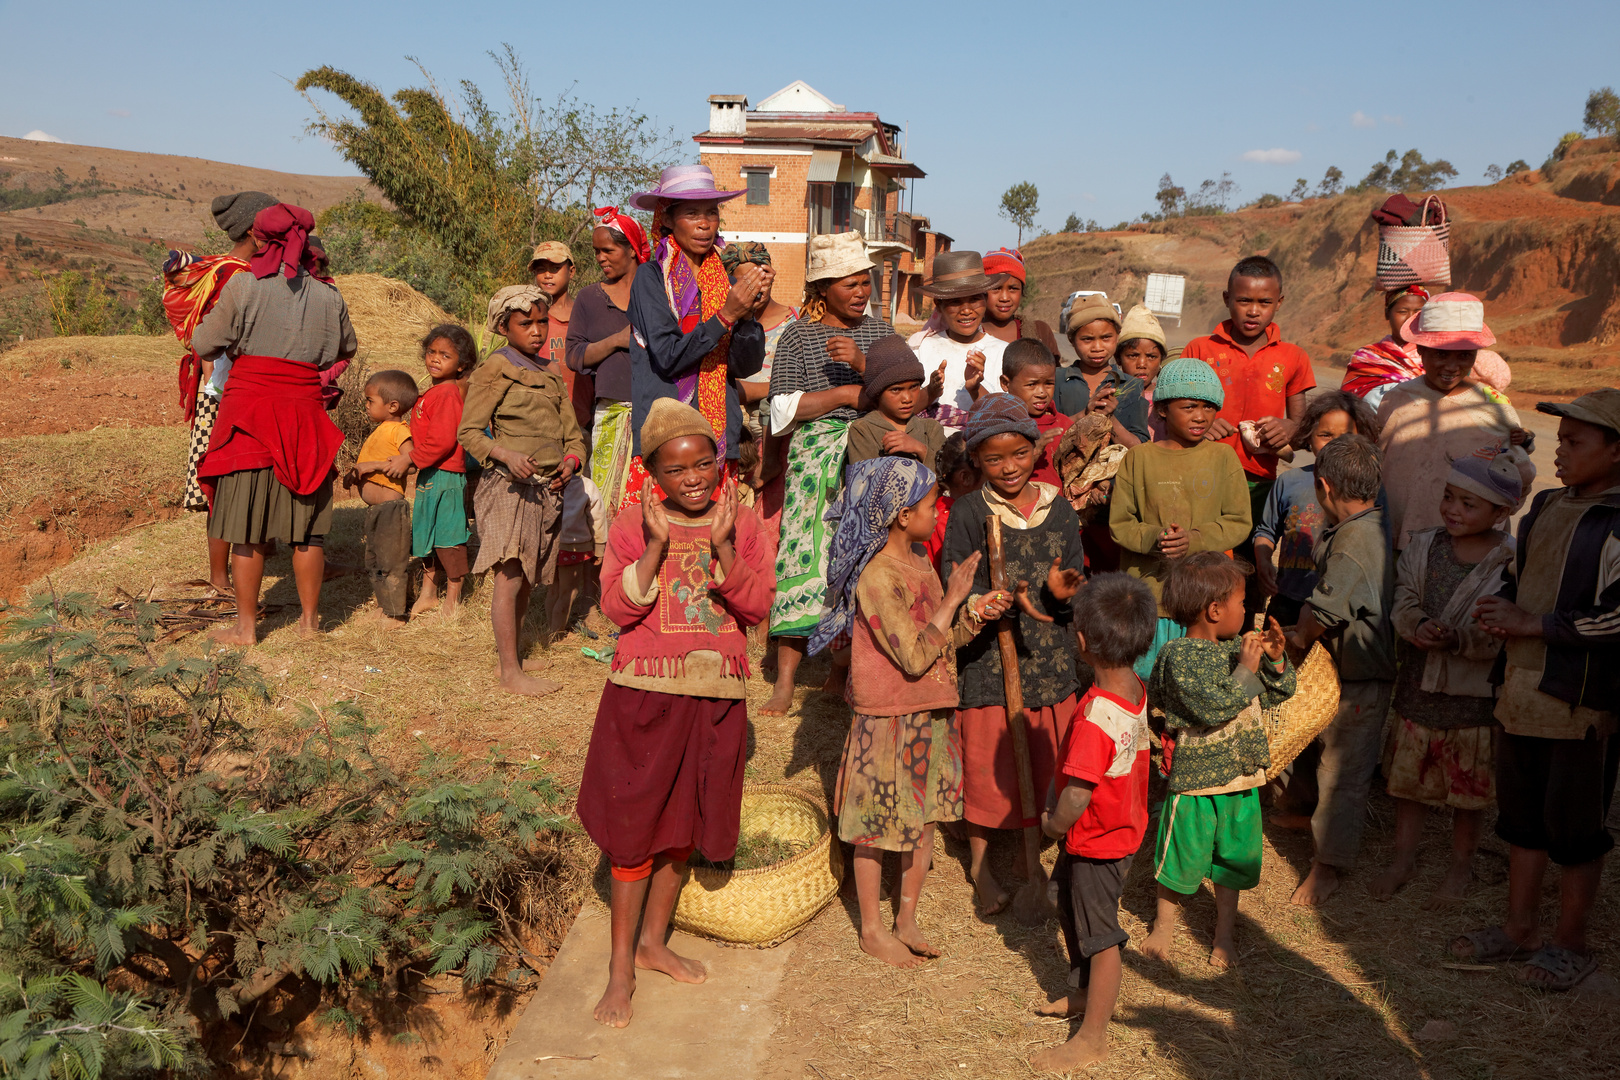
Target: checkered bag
202, 427
1416, 254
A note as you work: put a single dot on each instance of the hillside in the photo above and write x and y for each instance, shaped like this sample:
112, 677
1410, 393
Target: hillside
1542, 250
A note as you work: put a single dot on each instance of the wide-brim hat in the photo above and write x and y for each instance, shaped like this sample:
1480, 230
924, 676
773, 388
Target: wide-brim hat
683, 183
958, 274
837, 255
1452, 320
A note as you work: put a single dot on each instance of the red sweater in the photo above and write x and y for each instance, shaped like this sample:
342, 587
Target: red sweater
1045, 470
434, 420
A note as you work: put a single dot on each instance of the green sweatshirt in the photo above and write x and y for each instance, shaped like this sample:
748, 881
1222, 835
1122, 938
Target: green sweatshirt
1211, 708
1202, 489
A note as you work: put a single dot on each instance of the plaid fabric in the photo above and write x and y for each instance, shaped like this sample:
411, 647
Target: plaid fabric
202, 427
518, 520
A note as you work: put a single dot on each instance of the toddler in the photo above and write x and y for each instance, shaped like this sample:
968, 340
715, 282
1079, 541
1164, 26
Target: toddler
439, 532
957, 477
380, 470
892, 401
902, 766
1211, 686
1101, 809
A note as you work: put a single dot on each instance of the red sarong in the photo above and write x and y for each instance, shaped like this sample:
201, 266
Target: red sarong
271, 417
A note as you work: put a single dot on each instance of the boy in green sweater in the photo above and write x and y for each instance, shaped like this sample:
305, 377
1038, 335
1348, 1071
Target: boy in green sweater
1179, 495
1211, 686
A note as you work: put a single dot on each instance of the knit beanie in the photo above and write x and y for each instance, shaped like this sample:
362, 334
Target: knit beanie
669, 419
512, 298
1189, 378
1141, 323
235, 212
1491, 475
889, 361
998, 414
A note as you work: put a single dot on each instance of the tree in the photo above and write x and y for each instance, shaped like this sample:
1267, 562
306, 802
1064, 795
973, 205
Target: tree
1299, 190
1603, 113
1332, 182
1169, 196
1072, 223
1406, 172
1517, 167
1493, 173
1019, 205
1212, 197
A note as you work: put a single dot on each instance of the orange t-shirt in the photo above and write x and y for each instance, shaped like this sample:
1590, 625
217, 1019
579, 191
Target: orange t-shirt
1256, 386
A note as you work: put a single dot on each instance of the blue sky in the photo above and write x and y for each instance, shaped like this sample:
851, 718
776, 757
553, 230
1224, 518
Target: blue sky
1090, 104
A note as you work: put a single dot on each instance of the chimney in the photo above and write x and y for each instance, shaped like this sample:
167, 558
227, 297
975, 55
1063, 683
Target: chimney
728, 114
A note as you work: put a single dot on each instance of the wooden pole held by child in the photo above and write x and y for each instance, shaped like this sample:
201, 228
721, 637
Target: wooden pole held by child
1030, 905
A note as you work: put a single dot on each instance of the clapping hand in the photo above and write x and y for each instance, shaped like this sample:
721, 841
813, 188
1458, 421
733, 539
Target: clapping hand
842, 350
1062, 582
936, 383
724, 522
961, 582
973, 378
1272, 640
744, 292
654, 518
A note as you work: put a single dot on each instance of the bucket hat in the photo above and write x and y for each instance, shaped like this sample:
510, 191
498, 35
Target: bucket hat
958, 274
683, 183
837, 255
1452, 320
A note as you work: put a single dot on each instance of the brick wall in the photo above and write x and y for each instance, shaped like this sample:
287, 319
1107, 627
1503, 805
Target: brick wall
788, 211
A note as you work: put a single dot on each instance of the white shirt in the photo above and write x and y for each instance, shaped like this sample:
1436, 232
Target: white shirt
934, 348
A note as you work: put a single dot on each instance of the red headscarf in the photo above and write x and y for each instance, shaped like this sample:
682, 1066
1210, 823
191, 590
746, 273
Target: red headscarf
283, 228
628, 227
1406, 290
1004, 261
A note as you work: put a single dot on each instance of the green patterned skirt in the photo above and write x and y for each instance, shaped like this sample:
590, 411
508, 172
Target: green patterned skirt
815, 475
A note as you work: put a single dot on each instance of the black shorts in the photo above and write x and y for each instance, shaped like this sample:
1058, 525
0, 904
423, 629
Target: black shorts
1552, 795
1088, 908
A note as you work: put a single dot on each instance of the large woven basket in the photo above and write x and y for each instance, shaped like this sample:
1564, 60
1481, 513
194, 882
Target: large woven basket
769, 905
1291, 726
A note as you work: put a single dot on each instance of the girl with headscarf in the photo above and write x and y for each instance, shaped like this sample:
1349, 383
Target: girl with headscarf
268, 469
1374, 368
693, 331
599, 345
902, 766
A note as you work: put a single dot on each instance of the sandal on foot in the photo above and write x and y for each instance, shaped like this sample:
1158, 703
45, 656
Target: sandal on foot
1491, 946
1565, 969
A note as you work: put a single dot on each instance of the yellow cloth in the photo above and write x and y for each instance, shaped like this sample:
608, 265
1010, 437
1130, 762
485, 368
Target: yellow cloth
383, 444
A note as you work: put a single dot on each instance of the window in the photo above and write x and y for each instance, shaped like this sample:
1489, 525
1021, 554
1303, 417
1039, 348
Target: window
830, 207
759, 187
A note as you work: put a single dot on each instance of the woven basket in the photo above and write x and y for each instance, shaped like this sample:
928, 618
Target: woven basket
769, 905
1291, 726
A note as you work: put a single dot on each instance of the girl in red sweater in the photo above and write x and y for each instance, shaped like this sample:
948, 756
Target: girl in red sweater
684, 576
439, 532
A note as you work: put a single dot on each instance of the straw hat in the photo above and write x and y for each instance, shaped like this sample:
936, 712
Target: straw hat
958, 274
1142, 323
1452, 320
683, 183
837, 255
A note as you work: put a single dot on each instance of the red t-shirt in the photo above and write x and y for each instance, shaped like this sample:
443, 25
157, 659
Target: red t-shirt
1256, 386
1045, 470
581, 386
1108, 746
936, 543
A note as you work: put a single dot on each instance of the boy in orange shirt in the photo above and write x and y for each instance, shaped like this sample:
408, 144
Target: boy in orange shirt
1265, 378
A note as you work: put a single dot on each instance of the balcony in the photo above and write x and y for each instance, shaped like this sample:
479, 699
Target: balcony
894, 231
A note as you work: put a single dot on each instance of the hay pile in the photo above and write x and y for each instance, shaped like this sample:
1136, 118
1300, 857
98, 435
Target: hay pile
389, 317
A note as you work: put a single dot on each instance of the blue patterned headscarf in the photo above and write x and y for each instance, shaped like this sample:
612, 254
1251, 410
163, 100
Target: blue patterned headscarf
874, 494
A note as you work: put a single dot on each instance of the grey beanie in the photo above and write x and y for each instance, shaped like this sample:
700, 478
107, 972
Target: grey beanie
235, 212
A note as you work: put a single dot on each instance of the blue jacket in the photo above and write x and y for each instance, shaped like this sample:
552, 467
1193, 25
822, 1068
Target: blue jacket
660, 354
1073, 395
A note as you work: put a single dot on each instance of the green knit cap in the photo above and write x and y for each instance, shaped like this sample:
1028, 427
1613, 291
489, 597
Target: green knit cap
1188, 378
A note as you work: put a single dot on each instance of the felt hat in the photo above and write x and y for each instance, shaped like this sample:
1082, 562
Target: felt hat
1140, 323
1452, 320
999, 414
1600, 407
1189, 378
958, 274
1489, 474
837, 255
551, 251
889, 361
683, 183
1090, 309
669, 419
234, 213
509, 299
1005, 261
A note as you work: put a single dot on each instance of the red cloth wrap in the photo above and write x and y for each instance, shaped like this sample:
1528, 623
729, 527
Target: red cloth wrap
284, 228
189, 294
271, 416
628, 227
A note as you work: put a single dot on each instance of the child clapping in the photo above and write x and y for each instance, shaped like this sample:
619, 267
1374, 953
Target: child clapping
892, 399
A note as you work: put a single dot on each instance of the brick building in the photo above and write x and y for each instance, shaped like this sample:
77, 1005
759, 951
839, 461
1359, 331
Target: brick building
811, 166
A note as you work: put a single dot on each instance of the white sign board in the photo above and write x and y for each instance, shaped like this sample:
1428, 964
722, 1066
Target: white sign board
1164, 294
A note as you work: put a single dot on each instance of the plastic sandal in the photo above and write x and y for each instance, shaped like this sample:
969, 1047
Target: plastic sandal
1566, 968
1491, 946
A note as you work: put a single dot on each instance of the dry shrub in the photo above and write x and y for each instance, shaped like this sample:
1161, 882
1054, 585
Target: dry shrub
388, 316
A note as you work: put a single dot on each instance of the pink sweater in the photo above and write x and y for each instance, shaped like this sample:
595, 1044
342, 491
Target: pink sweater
689, 610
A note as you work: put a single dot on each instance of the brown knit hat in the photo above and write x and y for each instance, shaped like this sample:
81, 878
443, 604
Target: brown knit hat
669, 419
889, 361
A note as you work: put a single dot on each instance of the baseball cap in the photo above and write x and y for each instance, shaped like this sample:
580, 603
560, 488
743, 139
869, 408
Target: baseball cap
551, 251
1600, 407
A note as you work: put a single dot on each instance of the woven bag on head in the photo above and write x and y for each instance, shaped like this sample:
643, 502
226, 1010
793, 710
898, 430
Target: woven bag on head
769, 905
1416, 254
1291, 726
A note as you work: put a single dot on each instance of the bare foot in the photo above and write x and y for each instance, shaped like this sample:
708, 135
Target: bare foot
1321, 883
1077, 1053
424, 604
836, 679
222, 586
1066, 1007
1386, 885
888, 948
993, 899
1288, 820
1453, 888
528, 686
662, 958
309, 628
614, 1008
233, 634
1224, 954
780, 702
911, 936
1157, 943
386, 621
539, 663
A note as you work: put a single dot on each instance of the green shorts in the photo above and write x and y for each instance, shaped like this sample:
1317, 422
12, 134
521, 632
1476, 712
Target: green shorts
439, 518
1208, 836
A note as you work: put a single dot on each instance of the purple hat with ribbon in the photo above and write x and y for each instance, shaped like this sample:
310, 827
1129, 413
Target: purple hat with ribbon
683, 183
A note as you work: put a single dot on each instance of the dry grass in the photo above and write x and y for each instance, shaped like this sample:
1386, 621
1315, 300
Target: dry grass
124, 468
389, 316
1338, 993
123, 353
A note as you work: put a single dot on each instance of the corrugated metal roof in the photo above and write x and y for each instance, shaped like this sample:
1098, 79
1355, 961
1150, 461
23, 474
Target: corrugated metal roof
824, 166
894, 166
